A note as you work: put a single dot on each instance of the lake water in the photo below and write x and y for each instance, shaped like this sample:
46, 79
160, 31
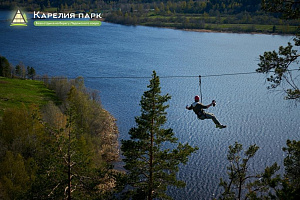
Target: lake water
252, 113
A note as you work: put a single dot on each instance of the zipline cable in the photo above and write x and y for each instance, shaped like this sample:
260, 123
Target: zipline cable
175, 76
179, 76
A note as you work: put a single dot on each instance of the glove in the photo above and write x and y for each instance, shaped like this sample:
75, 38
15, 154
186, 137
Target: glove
213, 103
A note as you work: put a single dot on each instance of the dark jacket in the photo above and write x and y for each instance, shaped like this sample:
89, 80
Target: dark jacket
198, 107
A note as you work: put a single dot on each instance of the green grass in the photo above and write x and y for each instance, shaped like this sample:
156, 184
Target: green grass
16, 92
211, 24
238, 28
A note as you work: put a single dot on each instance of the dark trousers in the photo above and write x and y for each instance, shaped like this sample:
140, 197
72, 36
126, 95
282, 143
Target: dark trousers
209, 116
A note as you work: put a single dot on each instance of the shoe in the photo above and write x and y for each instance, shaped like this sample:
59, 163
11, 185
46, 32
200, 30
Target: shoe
220, 126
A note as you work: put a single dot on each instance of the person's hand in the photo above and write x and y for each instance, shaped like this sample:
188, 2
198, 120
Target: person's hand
213, 102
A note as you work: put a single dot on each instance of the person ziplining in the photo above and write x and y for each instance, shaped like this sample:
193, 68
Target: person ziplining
198, 108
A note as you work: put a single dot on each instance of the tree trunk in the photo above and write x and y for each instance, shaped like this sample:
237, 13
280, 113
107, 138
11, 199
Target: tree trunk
151, 155
69, 161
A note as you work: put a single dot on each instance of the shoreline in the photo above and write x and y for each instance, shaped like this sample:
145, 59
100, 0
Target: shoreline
203, 30
251, 33
213, 31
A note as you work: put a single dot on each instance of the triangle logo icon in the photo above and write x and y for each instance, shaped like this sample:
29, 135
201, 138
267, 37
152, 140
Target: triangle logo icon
19, 19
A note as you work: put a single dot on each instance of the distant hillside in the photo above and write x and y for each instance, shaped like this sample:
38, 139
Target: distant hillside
216, 15
232, 6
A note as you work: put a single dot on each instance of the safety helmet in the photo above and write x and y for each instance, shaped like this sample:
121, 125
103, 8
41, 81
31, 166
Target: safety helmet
197, 98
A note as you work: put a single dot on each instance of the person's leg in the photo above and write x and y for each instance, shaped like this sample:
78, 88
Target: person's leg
213, 117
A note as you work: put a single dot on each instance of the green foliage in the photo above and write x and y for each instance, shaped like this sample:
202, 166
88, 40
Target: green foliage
89, 117
20, 138
265, 185
68, 166
291, 181
151, 165
51, 148
20, 71
20, 130
292, 162
242, 184
286, 187
15, 179
31, 72
286, 58
5, 68
288, 9
80, 144
60, 85
279, 64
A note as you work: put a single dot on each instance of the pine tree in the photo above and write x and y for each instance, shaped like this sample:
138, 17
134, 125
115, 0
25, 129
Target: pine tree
151, 164
244, 184
281, 64
5, 68
31, 73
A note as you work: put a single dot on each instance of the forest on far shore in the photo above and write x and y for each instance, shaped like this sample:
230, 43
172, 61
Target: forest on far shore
217, 15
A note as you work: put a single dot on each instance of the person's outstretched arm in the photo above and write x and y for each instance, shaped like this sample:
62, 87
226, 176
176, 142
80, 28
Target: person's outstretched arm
209, 105
189, 108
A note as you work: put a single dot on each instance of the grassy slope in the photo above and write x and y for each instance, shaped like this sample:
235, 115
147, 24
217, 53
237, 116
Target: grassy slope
15, 92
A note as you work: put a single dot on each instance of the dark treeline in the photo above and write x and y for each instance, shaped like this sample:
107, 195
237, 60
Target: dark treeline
178, 6
59, 150
198, 6
19, 71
